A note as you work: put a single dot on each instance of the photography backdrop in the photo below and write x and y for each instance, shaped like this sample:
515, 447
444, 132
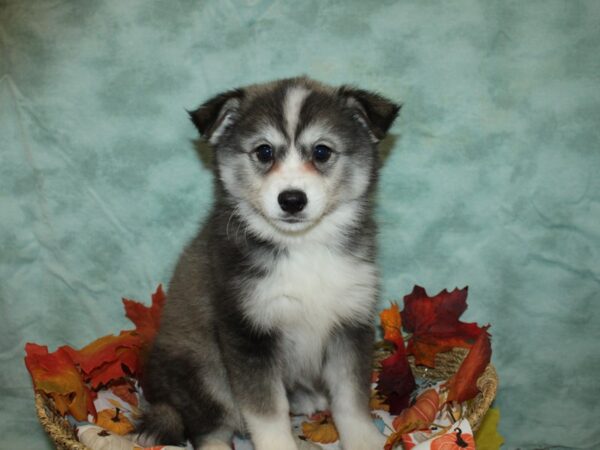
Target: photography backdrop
491, 180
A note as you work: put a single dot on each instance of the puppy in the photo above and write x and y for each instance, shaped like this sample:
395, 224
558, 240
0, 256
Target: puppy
271, 306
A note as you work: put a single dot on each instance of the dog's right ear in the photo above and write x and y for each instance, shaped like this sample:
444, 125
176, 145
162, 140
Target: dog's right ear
217, 114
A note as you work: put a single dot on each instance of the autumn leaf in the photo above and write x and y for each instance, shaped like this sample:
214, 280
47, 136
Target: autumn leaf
394, 439
114, 420
396, 381
487, 436
391, 322
108, 358
435, 325
321, 429
377, 402
67, 374
420, 415
56, 375
146, 319
463, 384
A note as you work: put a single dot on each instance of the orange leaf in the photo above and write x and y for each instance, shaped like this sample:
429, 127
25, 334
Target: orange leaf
463, 384
146, 319
108, 358
420, 415
114, 420
55, 374
391, 322
323, 431
434, 322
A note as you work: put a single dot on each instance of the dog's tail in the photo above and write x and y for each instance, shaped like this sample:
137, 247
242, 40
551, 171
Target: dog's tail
160, 424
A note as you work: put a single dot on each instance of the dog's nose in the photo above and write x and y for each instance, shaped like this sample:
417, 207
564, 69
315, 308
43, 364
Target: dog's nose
292, 201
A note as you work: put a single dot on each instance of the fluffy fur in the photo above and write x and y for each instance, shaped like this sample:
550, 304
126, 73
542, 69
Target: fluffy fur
271, 306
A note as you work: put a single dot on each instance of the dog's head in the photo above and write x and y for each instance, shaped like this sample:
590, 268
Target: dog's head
293, 152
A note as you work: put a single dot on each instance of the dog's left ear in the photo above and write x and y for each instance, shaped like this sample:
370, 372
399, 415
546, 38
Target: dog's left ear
373, 111
217, 114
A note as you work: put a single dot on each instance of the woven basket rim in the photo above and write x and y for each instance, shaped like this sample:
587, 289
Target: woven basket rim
64, 436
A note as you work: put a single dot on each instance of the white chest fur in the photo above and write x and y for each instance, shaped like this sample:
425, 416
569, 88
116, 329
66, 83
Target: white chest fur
305, 294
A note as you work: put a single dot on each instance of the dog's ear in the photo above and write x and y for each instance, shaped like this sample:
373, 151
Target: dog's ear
373, 111
217, 114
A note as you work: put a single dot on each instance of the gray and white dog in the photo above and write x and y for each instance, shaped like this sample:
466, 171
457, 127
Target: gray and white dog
271, 307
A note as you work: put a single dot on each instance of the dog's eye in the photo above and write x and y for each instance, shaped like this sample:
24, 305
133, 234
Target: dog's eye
321, 153
264, 153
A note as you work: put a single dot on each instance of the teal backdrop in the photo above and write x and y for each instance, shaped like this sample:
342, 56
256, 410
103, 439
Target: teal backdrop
491, 178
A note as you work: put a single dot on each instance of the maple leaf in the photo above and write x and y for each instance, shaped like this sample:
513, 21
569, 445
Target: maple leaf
463, 384
391, 322
396, 381
146, 319
434, 322
417, 417
321, 429
378, 402
392, 440
56, 375
487, 437
420, 415
108, 358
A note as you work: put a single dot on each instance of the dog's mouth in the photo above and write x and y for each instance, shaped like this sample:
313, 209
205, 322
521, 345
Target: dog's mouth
292, 220
292, 224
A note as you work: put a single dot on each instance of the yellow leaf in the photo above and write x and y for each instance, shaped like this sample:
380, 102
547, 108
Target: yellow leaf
323, 431
377, 402
487, 437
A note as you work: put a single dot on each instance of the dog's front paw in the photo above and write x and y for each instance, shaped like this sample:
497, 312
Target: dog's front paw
215, 445
282, 442
365, 437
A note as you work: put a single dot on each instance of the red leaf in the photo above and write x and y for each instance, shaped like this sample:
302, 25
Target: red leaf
108, 358
396, 380
434, 322
146, 319
55, 374
463, 384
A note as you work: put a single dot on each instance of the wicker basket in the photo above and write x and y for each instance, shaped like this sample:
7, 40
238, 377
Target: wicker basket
63, 433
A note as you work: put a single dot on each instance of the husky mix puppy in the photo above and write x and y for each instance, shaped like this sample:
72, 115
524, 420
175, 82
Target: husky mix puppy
271, 307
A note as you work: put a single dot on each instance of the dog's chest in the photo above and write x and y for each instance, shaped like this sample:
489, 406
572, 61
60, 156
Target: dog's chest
306, 293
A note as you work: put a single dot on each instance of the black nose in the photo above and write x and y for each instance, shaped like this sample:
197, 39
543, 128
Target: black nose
292, 201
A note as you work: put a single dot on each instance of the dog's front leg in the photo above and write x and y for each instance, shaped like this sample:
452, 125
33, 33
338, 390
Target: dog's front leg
269, 423
347, 377
260, 394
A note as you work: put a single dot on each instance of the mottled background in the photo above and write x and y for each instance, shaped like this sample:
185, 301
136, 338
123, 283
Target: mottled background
492, 179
